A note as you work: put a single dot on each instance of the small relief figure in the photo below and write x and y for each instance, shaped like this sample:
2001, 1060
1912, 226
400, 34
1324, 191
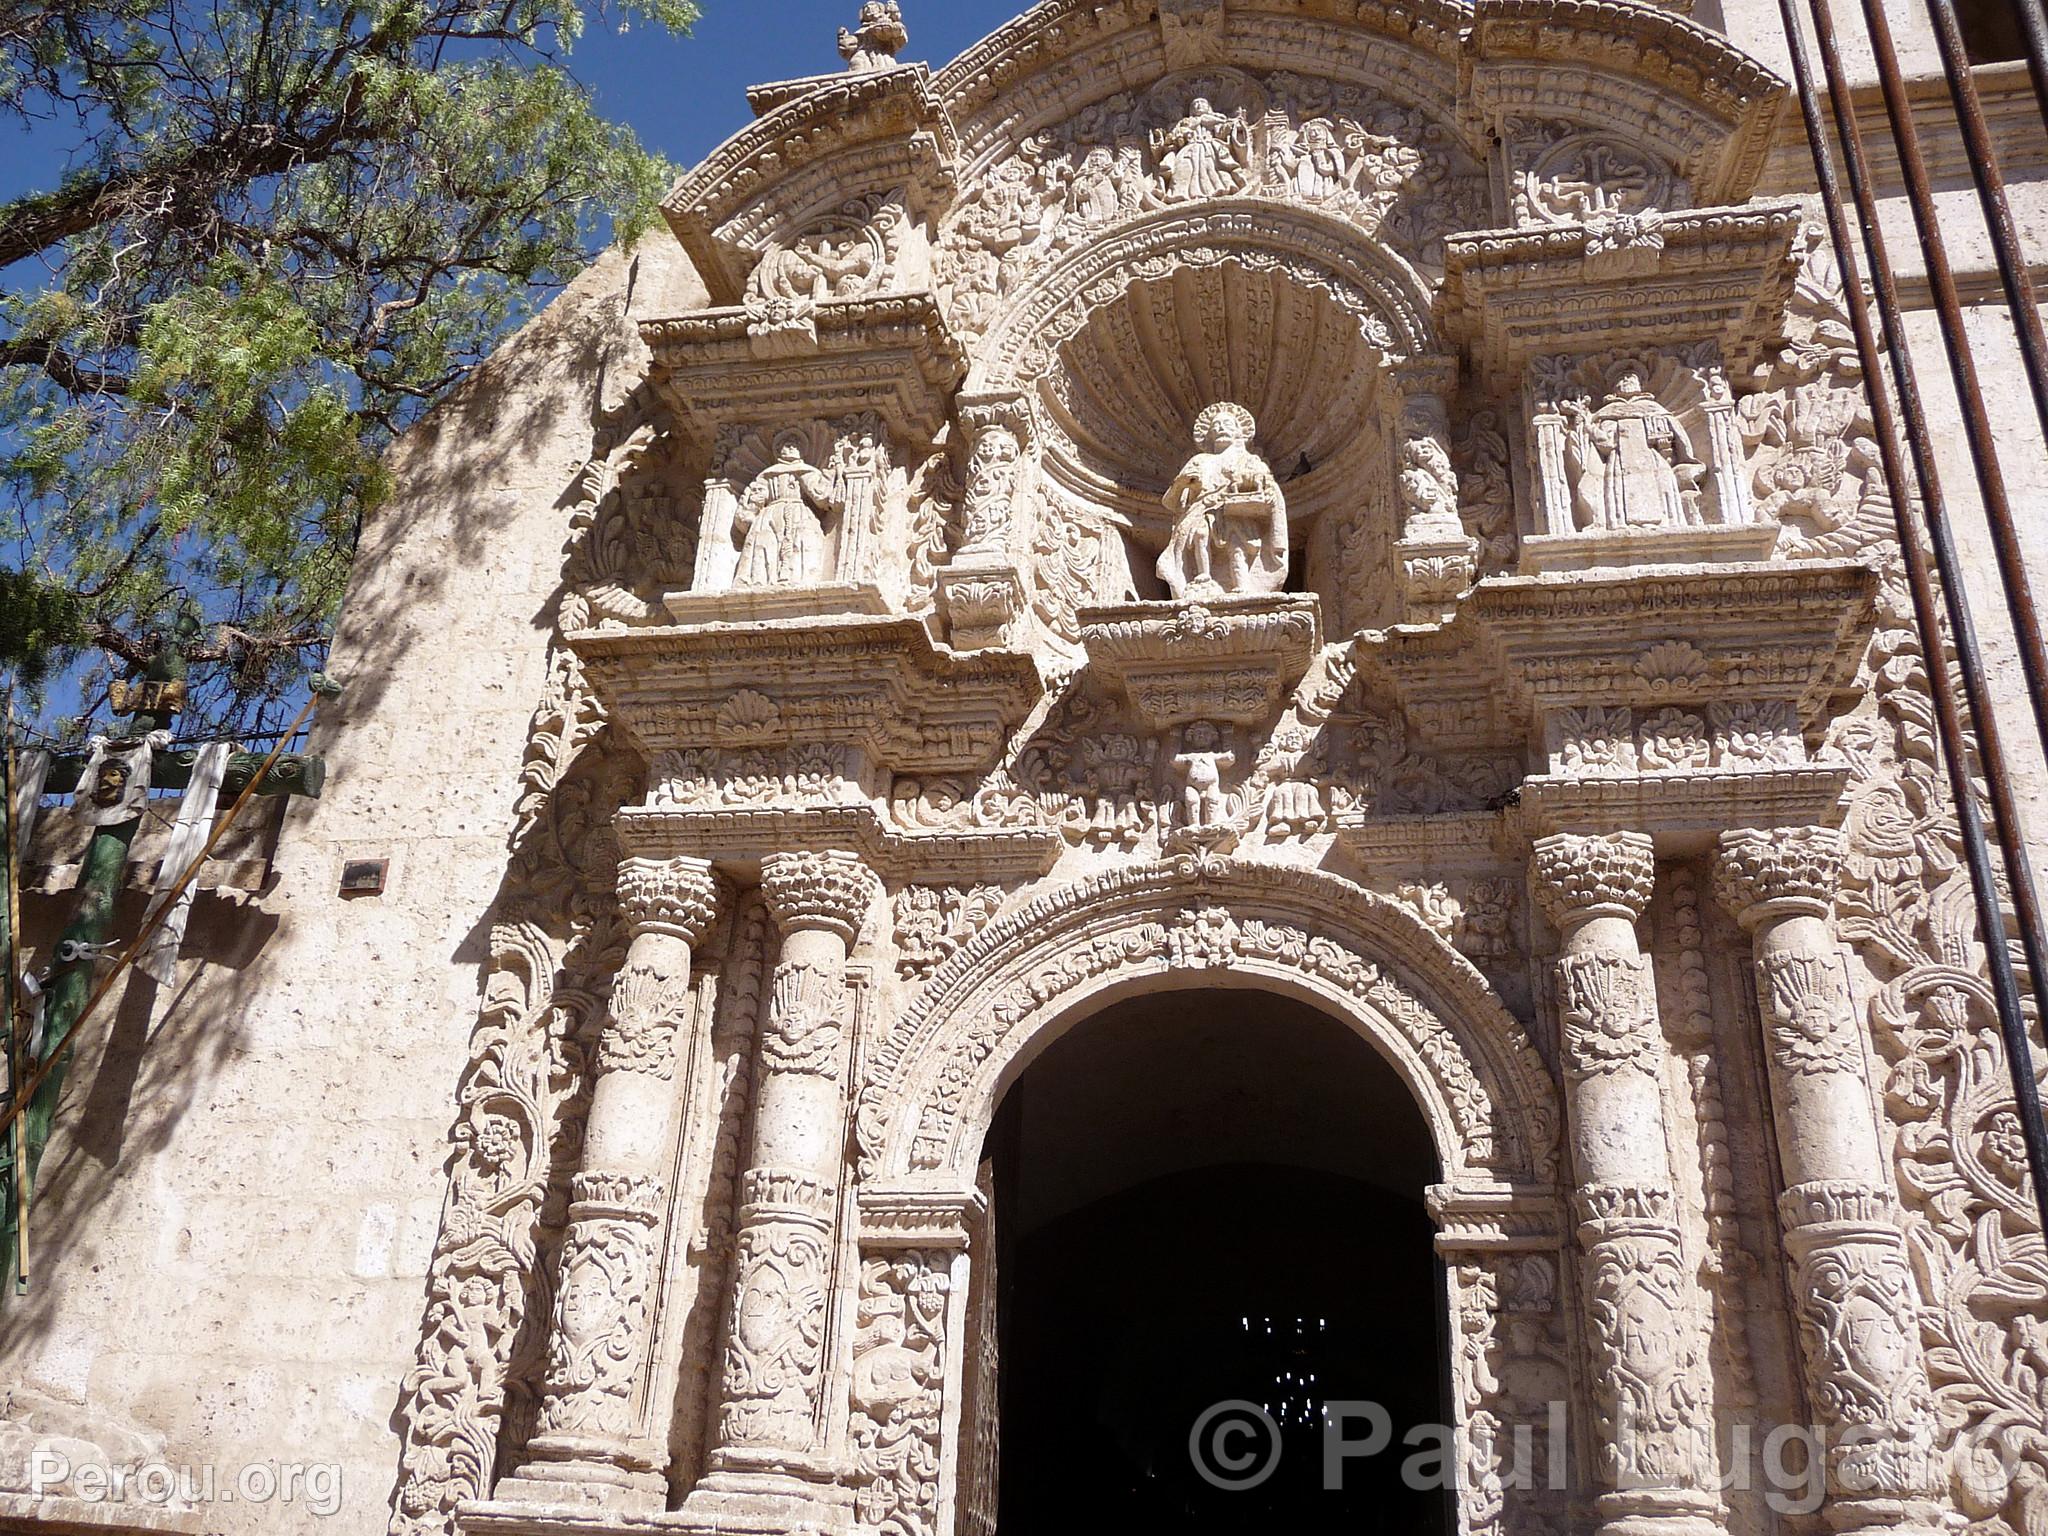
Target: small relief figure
880, 36
1294, 805
1202, 763
782, 520
1636, 466
1314, 166
817, 267
1093, 196
1230, 518
1206, 154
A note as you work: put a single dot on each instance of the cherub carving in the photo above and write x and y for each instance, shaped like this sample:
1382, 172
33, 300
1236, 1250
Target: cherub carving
1230, 518
1202, 763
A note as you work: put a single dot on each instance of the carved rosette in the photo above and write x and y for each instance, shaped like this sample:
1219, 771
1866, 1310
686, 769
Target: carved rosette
829, 892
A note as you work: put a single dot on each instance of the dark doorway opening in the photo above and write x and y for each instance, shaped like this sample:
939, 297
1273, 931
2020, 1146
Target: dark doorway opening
1206, 1198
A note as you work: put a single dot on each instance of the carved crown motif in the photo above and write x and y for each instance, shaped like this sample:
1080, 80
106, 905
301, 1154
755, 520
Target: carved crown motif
1575, 875
677, 896
830, 891
1756, 870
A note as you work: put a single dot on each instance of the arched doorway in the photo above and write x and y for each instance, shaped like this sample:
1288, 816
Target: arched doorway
1203, 1197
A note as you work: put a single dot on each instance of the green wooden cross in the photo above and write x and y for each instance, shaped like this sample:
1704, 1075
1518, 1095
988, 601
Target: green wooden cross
151, 703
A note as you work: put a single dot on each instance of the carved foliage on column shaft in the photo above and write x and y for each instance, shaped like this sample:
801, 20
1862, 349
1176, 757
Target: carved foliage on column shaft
670, 903
1645, 1368
775, 1345
1809, 1017
899, 1373
1606, 1003
600, 1335
1859, 1325
808, 1009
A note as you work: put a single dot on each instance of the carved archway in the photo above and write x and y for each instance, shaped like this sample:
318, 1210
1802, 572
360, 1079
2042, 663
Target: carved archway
1388, 296
934, 1079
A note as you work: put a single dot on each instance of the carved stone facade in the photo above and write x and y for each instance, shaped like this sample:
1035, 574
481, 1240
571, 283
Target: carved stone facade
1320, 502
1358, 502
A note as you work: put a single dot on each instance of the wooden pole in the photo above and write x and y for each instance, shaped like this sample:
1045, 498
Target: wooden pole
17, 1036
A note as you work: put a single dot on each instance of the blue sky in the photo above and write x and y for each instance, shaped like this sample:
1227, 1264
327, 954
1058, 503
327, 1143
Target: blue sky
682, 96
685, 97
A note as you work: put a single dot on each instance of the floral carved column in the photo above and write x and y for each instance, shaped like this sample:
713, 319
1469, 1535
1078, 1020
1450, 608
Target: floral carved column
1856, 1297
1643, 1334
592, 1445
771, 1463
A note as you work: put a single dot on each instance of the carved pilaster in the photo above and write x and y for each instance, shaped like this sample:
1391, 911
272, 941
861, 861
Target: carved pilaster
1854, 1288
1654, 1453
984, 588
594, 1443
770, 1459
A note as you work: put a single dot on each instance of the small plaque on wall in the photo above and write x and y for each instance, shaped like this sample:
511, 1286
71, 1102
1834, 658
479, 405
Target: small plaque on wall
364, 877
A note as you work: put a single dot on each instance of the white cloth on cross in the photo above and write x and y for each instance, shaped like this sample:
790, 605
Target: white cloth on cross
31, 772
159, 959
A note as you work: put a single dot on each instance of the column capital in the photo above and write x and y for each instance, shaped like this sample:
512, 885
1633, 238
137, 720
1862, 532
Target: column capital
1758, 875
1580, 877
678, 897
828, 891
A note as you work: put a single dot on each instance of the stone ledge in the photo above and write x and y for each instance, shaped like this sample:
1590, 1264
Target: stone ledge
89, 1517
1685, 812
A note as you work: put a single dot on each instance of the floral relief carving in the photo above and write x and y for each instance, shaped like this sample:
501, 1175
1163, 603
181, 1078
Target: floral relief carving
774, 1345
933, 920
1606, 1003
899, 1372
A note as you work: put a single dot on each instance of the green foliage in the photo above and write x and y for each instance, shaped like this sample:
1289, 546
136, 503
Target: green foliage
293, 226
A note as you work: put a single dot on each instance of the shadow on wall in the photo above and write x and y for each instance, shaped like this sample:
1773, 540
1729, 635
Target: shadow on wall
279, 980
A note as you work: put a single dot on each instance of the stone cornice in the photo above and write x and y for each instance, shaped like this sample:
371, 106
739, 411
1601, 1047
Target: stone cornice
890, 352
740, 834
879, 685
1650, 47
1686, 811
1720, 274
880, 129
1793, 631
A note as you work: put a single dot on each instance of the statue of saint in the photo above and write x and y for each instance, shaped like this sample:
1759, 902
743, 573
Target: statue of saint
880, 36
1206, 154
1635, 464
782, 520
1230, 518
1314, 164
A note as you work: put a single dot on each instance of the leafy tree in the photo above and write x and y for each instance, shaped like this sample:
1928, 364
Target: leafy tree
290, 227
